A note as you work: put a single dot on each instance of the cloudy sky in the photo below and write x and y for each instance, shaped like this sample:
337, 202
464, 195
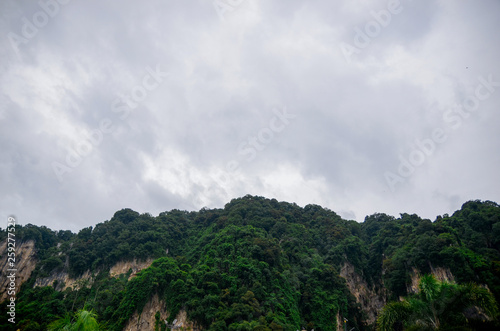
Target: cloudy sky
359, 106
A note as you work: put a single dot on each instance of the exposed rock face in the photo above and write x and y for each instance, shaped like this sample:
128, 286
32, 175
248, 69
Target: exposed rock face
415, 279
372, 299
340, 322
63, 278
184, 324
441, 274
25, 264
368, 297
146, 320
124, 266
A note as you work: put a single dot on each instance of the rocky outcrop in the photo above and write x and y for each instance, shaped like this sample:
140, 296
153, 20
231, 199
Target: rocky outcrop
64, 281
24, 265
147, 319
26, 262
371, 298
340, 322
124, 266
183, 323
441, 274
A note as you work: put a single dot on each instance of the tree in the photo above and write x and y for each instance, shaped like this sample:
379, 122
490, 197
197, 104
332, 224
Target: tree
437, 306
84, 320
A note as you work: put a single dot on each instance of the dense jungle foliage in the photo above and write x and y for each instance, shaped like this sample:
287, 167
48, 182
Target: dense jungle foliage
256, 264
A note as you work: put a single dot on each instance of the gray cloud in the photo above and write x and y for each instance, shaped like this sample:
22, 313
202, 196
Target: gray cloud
208, 131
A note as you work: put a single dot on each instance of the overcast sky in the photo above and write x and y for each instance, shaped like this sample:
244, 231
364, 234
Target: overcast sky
359, 106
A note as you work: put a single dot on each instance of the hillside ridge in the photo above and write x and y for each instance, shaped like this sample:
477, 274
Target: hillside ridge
255, 264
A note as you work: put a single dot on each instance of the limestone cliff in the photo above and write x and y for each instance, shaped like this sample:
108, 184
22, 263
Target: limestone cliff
371, 298
441, 274
64, 281
340, 322
25, 264
124, 266
146, 320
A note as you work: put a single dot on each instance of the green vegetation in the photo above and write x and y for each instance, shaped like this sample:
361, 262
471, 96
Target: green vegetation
83, 321
256, 264
439, 306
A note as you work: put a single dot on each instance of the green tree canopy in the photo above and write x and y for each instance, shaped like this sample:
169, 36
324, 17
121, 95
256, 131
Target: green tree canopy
437, 306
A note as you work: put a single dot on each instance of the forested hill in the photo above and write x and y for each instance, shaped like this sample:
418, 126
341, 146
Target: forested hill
256, 264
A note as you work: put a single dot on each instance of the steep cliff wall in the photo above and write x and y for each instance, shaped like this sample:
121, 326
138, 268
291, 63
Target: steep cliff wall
124, 266
340, 322
26, 261
146, 320
371, 299
118, 269
64, 280
441, 274
25, 264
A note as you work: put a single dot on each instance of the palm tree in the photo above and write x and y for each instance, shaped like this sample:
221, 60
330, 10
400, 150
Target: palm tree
438, 306
84, 321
